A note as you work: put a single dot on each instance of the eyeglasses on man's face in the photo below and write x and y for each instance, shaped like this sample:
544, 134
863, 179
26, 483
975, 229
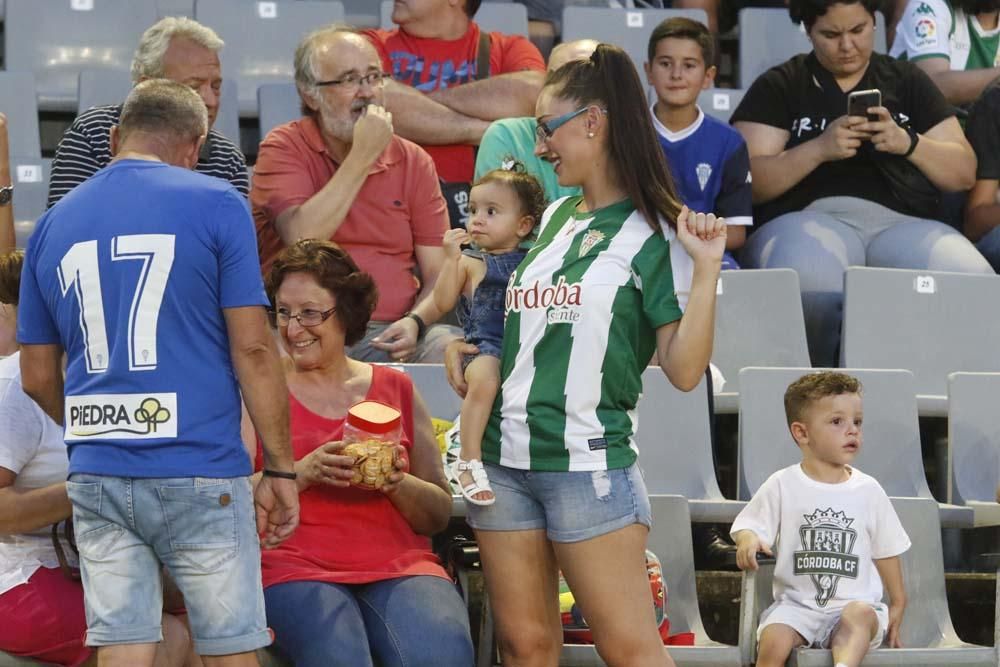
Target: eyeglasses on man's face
307, 318
352, 82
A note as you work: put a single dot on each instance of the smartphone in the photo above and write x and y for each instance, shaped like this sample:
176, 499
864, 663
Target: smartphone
860, 101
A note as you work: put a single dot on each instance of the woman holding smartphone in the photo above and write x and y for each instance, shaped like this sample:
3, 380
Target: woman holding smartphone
836, 189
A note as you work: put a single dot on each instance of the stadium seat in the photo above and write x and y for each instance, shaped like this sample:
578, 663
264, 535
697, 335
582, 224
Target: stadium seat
18, 102
628, 29
974, 439
768, 38
933, 323
720, 102
670, 540
432, 383
277, 104
891, 452
228, 120
361, 13
98, 87
927, 633
166, 8
31, 190
675, 447
55, 40
510, 18
261, 38
751, 330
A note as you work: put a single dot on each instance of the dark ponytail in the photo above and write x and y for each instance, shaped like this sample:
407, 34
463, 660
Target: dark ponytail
609, 79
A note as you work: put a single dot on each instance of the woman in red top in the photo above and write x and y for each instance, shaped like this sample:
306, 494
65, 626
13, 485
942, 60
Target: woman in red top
357, 583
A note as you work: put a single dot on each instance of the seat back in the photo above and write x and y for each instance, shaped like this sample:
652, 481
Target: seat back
228, 120
891, 449
278, 103
99, 87
18, 102
720, 103
758, 322
974, 437
30, 176
261, 38
670, 540
932, 322
768, 38
57, 39
675, 439
510, 18
627, 28
432, 383
361, 13
166, 8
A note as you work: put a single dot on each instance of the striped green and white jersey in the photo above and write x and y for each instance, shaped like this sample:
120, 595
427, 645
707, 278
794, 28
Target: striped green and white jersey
582, 311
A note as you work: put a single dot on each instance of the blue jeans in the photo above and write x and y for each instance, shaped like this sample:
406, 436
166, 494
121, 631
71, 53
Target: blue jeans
408, 621
989, 245
201, 529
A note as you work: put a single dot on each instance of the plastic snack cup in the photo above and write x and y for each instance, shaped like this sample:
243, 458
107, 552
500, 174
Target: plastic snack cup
371, 434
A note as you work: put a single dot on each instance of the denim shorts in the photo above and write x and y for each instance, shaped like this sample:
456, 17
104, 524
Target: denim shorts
569, 506
202, 530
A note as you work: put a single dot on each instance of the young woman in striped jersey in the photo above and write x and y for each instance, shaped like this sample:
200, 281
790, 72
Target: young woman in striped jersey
604, 287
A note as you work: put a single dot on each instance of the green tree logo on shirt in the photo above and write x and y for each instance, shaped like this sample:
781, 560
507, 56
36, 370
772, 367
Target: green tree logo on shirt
925, 9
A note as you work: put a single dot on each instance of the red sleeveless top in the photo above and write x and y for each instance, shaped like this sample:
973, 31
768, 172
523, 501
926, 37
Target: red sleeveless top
349, 536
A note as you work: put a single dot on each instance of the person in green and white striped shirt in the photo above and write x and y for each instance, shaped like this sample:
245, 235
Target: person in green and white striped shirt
603, 288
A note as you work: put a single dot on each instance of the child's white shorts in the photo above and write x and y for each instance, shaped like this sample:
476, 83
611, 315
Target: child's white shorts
817, 626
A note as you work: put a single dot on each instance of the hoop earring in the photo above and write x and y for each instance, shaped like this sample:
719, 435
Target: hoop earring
590, 135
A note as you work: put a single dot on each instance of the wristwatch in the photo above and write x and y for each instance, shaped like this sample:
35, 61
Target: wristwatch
6, 195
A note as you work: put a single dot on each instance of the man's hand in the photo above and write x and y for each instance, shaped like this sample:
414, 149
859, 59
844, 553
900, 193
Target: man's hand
399, 339
372, 133
453, 354
747, 547
453, 241
895, 620
277, 505
842, 139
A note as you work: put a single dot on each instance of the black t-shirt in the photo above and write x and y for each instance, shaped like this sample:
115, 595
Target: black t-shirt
983, 130
800, 96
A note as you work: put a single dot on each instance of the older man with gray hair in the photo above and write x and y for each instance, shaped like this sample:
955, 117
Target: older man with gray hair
175, 48
340, 173
146, 276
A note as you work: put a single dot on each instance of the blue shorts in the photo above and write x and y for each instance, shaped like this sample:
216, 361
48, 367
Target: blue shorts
201, 529
569, 506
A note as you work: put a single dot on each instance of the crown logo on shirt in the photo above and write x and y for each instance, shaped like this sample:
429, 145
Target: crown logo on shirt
590, 239
704, 172
828, 517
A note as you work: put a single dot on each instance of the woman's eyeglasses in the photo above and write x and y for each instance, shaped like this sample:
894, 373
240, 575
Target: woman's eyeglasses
306, 318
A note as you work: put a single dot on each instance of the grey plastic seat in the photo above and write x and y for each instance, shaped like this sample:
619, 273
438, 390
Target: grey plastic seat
627, 28
758, 322
8, 660
768, 38
720, 103
675, 447
891, 451
277, 104
927, 632
166, 8
55, 41
932, 322
261, 38
361, 13
510, 18
974, 439
98, 87
18, 102
30, 176
432, 383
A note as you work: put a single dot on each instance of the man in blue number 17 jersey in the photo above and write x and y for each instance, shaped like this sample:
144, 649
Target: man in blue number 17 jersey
147, 276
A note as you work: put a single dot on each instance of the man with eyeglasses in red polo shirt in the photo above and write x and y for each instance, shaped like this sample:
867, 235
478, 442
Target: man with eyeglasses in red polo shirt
339, 173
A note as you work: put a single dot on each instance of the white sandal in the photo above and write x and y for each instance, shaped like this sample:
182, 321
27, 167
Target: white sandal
480, 482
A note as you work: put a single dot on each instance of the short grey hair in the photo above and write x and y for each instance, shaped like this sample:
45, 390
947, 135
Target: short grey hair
164, 108
305, 65
147, 63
